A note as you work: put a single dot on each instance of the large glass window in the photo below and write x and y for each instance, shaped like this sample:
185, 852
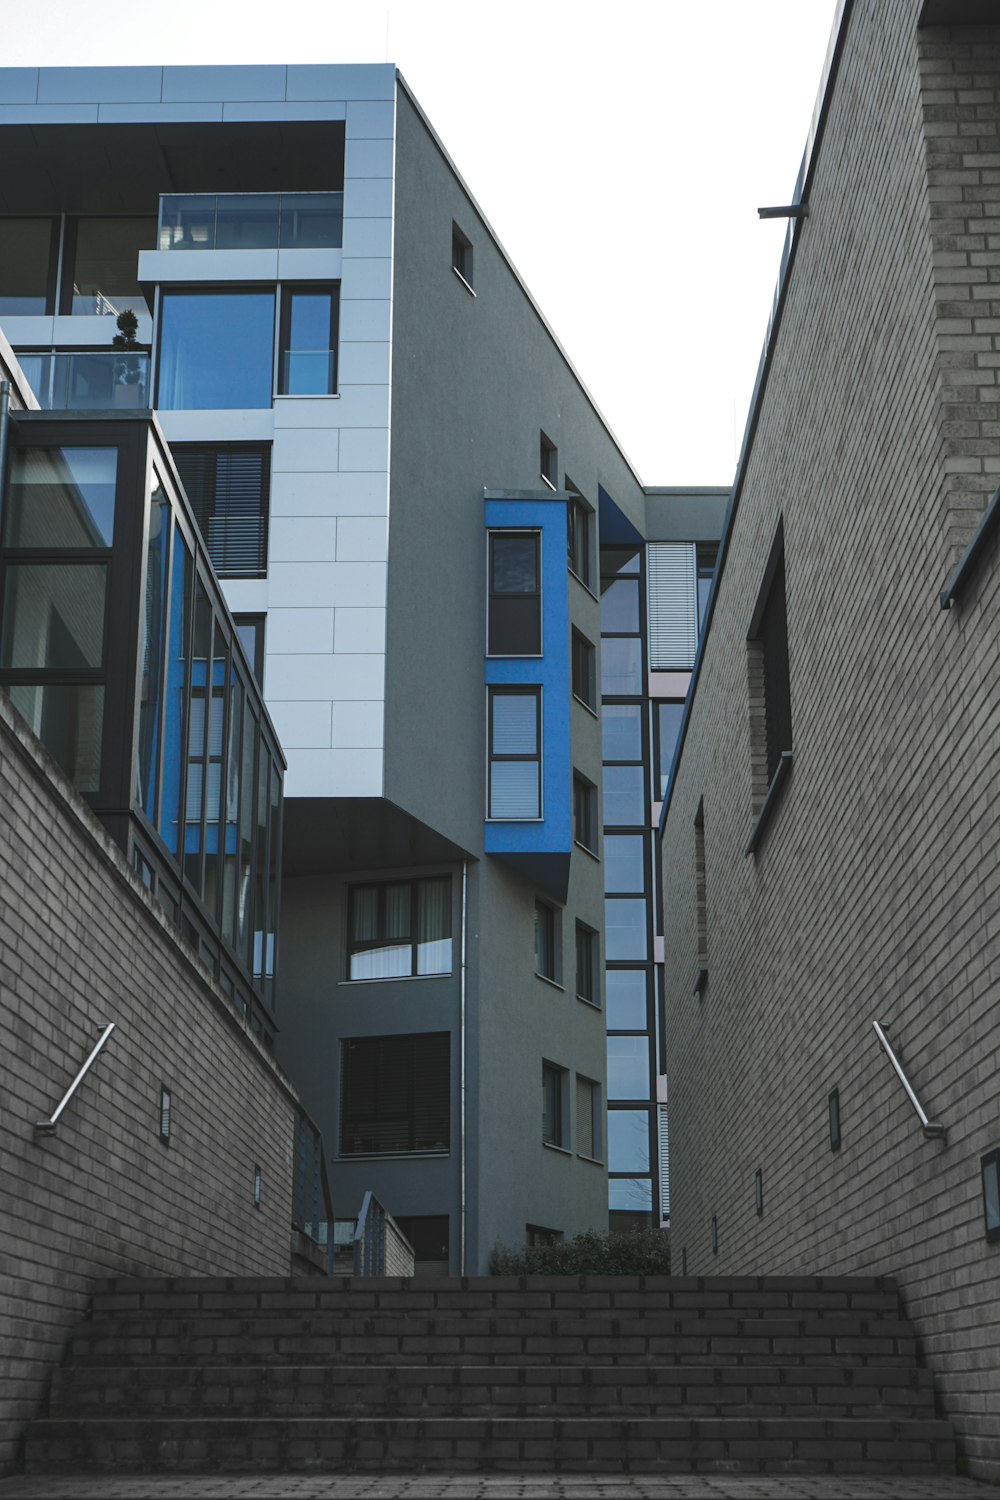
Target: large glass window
620, 607
628, 1067
395, 1094
308, 364
625, 929
628, 1140
630, 1194
621, 667
627, 1009
624, 866
669, 717
515, 609
27, 266
152, 650
101, 262
69, 721
53, 615
515, 754
400, 929
61, 497
624, 801
621, 731
216, 350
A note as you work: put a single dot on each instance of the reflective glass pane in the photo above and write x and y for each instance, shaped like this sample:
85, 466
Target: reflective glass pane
216, 350
312, 220
434, 926
624, 796
633, 1194
69, 721
620, 560
620, 606
626, 999
25, 250
621, 667
628, 1140
153, 646
623, 862
229, 867
628, 1067
53, 615
178, 666
61, 497
625, 929
668, 727
187, 222
621, 730
246, 221
106, 264
514, 564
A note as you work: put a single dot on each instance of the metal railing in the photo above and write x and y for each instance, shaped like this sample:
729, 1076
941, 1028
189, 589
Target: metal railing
251, 221
380, 1246
932, 1128
48, 1127
312, 1205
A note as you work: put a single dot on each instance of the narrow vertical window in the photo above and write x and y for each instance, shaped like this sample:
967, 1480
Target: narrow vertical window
584, 671
585, 814
588, 1118
578, 534
833, 1110
461, 255
553, 1104
165, 1115
701, 902
586, 964
515, 783
546, 942
515, 606
768, 680
308, 356
548, 460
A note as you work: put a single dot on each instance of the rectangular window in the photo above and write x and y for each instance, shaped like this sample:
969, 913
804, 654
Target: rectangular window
515, 733
673, 606
628, 1140
624, 864
101, 262
701, 899
515, 606
461, 255
628, 1067
250, 633
395, 1094
627, 1000
625, 934
28, 250
578, 535
546, 942
548, 461
990, 1171
584, 671
553, 1104
216, 350
707, 554
537, 1234
621, 731
588, 1117
229, 488
402, 929
667, 722
309, 328
587, 970
768, 678
585, 814
624, 796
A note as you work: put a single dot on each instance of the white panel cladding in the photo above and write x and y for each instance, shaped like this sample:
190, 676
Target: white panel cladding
360, 539
334, 773
301, 725
365, 449
359, 630
310, 678
288, 628
359, 725
303, 539
322, 494
673, 606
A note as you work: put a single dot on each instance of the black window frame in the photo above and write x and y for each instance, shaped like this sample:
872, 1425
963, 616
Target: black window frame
204, 502
425, 1059
583, 657
578, 534
462, 256
547, 923
548, 461
585, 822
382, 886
287, 293
559, 1135
493, 624
259, 624
511, 690
588, 971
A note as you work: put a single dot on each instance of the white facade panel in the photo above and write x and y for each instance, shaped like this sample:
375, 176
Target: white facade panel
365, 449
358, 725
360, 539
287, 629
359, 630
301, 725
367, 236
313, 678
363, 320
305, 449
367, 197
329, 494
303, 539
370, 120
323, 584
308, 411
367, 276
364, 405
217, 426
364, 364
364, 158
327, 773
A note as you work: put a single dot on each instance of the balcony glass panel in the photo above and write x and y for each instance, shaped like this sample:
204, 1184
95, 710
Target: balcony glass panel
90, 381
69, 721
53, 615
312, 221
216, 350
251, 221
246, 221
309, 372
61, 497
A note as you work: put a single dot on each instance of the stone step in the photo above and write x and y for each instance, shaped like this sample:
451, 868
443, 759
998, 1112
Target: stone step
480, 1390
653, 1445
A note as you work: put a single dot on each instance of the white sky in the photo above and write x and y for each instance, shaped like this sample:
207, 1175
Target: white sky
620, 153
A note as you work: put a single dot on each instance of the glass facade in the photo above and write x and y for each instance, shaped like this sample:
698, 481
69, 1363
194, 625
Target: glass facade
216, 350
251, 221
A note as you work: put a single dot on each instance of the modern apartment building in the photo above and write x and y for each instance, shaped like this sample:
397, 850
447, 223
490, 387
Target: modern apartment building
413, 506
831, 844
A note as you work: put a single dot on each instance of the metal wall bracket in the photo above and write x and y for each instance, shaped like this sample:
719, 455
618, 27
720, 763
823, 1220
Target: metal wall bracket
933, 1129
48, 1127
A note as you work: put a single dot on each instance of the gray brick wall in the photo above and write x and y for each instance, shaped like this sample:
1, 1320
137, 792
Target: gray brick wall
874, 892
81, 944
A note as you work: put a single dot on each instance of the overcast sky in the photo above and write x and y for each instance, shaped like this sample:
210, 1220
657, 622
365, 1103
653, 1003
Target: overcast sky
620, 153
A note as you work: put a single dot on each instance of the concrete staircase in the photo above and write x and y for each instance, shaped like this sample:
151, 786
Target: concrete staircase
654, 1375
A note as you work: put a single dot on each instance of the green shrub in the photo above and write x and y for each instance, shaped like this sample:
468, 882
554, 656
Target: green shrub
644, 1253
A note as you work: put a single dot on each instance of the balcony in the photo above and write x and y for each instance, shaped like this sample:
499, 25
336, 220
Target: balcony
89, 381
251, 221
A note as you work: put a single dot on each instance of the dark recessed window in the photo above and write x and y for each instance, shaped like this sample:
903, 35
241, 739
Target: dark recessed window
588, 1117
700, 892
553, 1104
28, 250
758, 1191
584, 670
548, 460
258, 1181
715, 1235
587, 971
308, 344
770, 692
101, 263
578, 515
546, 942
706, 555
430, 1236
990, 1165
400, 929
229, 487
585, 813
395, 1094
515, 769
515, 608
537, 1234
833, 1109
216, 350
461, 255
250, 632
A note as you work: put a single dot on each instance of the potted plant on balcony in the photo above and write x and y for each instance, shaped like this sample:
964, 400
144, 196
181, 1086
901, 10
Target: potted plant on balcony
130, 366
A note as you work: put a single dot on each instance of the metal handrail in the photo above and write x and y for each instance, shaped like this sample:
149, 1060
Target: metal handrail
48, 1127
375, 1234
932, 1128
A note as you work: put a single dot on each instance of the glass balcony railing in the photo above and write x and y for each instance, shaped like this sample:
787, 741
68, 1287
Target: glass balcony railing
251, 221
88, 381
309, 372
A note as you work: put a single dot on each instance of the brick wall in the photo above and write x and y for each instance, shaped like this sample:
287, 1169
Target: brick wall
874, 892
80, 945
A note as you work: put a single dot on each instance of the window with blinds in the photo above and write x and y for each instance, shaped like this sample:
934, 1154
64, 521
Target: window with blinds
229, 487
664, 1128
672, 584
515, 789
395, 1094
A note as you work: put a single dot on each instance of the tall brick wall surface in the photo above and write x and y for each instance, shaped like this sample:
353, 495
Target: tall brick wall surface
80, 945
874, 892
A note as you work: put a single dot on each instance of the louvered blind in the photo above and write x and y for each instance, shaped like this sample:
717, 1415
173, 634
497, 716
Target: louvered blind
395, 1094
673, 606
229, 490
664, 1126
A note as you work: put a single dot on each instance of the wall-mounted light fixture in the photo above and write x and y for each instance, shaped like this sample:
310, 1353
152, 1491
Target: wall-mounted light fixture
165, 1115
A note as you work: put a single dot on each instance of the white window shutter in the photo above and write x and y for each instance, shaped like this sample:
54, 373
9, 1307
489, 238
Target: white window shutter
673, 606
663, 1122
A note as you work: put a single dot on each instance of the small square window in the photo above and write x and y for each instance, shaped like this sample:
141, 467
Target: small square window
547, 942
400, 929
548, 461
585, 814
990, 1165
554, 1132
584, 671
461, 255
588, 1118
587, 971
